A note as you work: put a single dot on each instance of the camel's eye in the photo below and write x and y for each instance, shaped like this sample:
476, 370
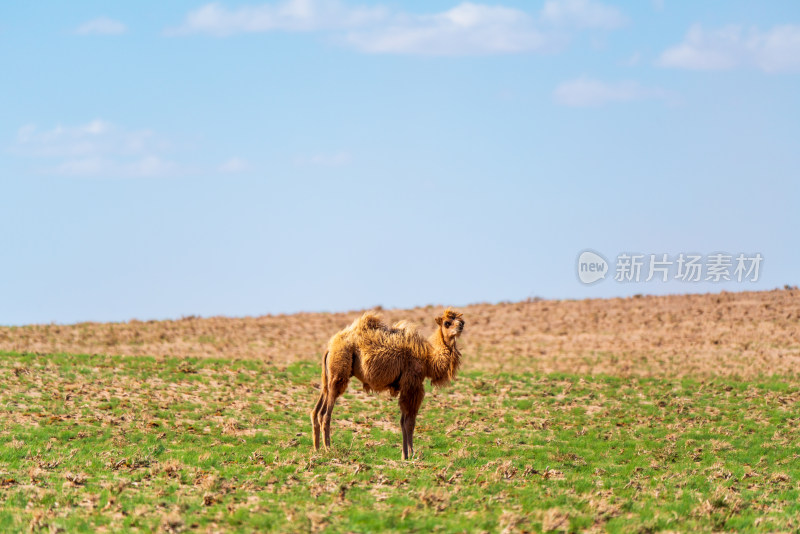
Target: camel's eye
447, 324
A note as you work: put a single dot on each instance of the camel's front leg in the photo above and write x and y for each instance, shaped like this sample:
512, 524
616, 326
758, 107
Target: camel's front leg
409, 424
410, 401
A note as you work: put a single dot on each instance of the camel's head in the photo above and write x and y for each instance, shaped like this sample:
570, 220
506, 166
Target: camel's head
451, 324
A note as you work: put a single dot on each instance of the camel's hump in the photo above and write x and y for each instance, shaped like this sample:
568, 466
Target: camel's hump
370, 321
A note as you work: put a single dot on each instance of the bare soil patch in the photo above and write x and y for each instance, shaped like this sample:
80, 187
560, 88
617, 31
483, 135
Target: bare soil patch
743, 334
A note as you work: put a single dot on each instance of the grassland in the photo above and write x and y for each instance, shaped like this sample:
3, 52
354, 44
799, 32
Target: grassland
141, 443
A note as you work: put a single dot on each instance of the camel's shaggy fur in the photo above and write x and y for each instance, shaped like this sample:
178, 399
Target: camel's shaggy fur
393, 358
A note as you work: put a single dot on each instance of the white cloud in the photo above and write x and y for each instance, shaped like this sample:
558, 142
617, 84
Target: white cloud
585, 92
93, 138
90, 166
97, 148
150, 165
233, 166
104, 167
705, 50
334, 159
633, 60
463, 30
774, 50
290, 15
101, 26
466, 29
583, 14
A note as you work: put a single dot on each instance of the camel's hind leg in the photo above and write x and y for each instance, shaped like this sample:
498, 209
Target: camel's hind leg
336, 387
315, 418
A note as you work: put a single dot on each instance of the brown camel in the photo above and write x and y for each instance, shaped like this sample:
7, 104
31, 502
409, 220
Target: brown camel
396, 358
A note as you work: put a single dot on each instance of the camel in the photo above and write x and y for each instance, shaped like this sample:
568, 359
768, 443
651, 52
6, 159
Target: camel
396, 359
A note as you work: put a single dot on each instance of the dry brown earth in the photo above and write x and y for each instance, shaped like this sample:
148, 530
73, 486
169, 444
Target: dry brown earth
733, 334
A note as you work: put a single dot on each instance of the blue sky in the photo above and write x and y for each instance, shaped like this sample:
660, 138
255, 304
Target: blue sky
161, 159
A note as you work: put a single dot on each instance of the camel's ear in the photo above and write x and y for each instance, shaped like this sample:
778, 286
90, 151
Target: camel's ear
439, 321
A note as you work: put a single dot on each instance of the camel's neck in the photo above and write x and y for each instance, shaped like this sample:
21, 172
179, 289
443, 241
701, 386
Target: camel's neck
443, 360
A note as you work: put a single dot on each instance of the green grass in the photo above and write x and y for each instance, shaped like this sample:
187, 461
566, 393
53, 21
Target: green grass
93, 443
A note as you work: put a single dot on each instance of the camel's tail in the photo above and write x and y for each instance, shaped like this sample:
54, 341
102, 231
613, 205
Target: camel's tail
324, 379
